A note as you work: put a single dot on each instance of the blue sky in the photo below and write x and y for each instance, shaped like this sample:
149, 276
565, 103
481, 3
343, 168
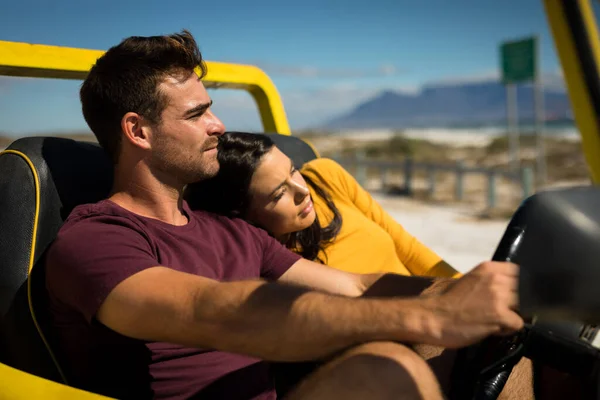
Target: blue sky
324, 56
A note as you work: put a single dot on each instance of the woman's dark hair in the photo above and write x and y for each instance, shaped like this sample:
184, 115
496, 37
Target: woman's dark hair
239, 154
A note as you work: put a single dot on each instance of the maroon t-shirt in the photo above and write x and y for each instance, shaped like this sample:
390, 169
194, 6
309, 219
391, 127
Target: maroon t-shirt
102, 244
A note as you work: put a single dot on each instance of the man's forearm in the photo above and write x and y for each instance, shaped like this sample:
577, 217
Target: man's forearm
286, 323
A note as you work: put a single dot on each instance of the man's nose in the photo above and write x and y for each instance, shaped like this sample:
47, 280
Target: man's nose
216, 126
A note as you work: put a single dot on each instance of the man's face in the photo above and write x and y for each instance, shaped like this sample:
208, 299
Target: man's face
184, 143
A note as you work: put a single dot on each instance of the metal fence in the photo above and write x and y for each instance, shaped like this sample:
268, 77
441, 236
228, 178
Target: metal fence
359, 163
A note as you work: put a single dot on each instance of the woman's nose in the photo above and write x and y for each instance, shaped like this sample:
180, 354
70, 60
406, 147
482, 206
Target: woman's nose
300, 192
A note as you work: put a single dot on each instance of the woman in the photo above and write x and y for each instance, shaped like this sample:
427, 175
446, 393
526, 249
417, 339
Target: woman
320, 211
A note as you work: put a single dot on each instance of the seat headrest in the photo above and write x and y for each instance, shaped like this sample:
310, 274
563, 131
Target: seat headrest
300, 151
69, 172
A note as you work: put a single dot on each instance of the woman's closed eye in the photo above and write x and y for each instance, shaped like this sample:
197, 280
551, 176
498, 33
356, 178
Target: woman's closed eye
279, 195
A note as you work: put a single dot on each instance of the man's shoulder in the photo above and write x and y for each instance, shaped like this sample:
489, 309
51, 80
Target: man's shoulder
102, 223
84, 211
104, 212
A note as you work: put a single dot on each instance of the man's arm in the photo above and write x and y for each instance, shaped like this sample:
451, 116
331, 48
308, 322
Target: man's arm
283, 322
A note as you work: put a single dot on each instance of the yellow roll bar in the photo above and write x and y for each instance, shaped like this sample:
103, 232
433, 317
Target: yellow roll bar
576, 40
19, 385
43, 61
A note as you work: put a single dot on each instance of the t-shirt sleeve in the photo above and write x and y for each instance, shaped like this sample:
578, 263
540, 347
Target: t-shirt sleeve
276, 258
88, 260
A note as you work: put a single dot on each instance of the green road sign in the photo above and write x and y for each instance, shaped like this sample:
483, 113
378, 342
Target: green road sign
518, 60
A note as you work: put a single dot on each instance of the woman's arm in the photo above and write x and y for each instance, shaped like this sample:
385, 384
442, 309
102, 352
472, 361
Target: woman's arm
418, 258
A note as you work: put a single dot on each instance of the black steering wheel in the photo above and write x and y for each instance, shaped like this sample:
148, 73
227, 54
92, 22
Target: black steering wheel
482, 370
554, 237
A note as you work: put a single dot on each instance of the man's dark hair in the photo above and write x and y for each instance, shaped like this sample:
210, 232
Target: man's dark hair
126, 78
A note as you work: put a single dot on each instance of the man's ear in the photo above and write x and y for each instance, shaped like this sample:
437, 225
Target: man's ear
136, 130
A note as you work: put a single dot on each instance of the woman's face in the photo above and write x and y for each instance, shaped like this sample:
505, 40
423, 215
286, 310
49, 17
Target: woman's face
279, 198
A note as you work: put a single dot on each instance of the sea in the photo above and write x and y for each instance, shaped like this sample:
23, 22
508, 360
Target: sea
462, 135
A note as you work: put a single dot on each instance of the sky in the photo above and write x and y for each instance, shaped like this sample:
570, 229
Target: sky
324, 56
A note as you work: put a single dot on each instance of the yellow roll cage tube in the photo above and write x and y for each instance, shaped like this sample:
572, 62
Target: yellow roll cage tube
43, 61
575, 34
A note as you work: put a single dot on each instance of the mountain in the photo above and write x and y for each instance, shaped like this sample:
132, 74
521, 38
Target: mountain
449, 104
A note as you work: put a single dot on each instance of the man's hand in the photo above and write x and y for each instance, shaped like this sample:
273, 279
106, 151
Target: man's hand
481, 303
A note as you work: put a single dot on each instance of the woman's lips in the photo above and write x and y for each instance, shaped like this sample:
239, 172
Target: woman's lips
306, 210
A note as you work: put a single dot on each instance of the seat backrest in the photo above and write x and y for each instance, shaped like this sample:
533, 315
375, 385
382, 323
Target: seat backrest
41, 180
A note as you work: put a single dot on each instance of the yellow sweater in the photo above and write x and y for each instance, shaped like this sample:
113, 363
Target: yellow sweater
370, 240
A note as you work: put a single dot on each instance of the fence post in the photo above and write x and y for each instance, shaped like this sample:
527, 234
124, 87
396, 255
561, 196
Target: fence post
361, 168
408, 175
492, 189
383, 170
459, 188
527, 182
431, 176
337, 156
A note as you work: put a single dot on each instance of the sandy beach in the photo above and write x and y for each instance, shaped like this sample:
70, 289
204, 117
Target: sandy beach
454, 138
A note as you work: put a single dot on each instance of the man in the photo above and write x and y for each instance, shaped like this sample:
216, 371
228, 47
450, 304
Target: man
150, 299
